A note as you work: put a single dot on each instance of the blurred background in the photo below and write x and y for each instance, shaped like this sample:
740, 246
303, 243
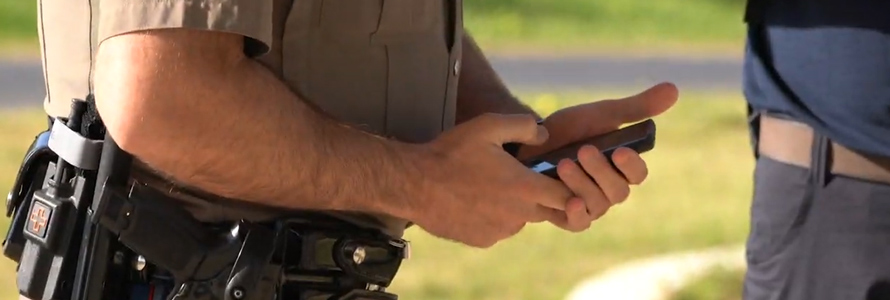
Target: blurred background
679, 235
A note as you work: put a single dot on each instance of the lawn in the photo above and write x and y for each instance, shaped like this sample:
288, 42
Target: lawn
696, 196
718, 284
540, 25
18, 27
684, 26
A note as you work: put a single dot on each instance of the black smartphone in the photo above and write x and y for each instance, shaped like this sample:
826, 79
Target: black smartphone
640, 137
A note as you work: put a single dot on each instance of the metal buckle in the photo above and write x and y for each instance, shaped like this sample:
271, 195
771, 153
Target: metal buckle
405, 245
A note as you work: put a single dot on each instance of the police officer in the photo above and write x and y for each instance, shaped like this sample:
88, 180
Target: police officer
382, 113
817, 78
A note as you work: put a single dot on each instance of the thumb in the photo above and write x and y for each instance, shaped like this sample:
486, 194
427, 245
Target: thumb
502, 129
650, 103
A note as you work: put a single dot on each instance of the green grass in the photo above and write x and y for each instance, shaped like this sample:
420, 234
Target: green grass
18, 26
542, 26
696, 196
626, 25
18, 19
718, 284
19, 128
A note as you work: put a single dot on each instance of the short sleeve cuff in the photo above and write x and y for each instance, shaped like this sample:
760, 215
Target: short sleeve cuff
249, 18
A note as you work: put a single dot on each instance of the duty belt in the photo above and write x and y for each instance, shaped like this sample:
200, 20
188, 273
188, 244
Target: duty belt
126, 237
304, 256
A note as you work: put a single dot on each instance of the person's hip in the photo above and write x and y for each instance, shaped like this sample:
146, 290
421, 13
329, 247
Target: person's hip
812, 238
791, 142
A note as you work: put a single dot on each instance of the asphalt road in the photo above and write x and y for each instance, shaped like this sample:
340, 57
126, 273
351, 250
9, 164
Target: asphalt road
21, 82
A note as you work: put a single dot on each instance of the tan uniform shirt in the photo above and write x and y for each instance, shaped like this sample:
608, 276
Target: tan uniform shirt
389, 65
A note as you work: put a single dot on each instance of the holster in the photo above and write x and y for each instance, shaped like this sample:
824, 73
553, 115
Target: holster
82, 229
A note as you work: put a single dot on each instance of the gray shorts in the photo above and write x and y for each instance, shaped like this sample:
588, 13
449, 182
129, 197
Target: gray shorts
817, 236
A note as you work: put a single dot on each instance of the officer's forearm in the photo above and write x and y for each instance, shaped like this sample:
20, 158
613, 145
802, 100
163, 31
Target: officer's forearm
480, 89
192, 106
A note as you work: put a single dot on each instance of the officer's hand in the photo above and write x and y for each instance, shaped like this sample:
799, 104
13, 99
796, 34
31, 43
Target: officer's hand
477, 193
593, 198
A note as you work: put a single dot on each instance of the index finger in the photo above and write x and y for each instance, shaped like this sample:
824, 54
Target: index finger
647, 104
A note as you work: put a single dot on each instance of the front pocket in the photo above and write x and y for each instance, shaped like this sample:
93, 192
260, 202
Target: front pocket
878, 197
782, 199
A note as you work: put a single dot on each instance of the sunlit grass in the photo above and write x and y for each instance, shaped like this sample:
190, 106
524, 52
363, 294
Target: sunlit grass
626, 25
717, 284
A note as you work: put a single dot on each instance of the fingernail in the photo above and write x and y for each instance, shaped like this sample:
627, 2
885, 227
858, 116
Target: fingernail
617, 157
587, 150
582, 206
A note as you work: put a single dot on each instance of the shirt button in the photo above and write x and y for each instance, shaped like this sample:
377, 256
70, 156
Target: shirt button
457, 67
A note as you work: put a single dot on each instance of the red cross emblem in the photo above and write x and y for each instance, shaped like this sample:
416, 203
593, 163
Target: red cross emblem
38, 220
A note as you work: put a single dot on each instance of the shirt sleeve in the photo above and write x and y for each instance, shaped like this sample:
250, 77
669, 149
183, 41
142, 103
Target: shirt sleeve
249, 18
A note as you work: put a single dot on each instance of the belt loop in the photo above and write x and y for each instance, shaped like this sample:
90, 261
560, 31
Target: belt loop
820, 157
754, 130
